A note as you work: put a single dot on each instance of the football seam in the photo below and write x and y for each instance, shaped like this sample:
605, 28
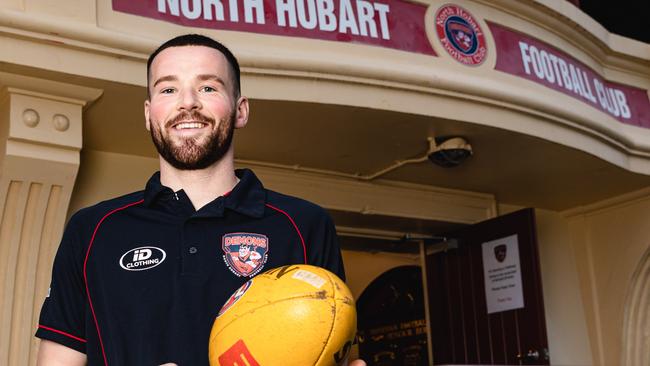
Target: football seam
336, 314
271, 303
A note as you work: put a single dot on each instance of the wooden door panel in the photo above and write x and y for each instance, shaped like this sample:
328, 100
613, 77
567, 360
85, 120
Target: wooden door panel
462, 330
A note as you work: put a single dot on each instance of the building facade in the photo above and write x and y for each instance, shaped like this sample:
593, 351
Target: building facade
348, 100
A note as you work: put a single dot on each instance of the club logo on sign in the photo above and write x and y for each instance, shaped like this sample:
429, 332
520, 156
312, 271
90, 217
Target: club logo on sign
500, 252
245, 253
460, 35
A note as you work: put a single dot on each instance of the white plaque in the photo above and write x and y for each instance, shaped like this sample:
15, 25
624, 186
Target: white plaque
502, 273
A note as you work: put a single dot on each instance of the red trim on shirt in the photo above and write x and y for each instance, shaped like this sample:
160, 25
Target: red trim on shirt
304, 247
62, 332
92, 239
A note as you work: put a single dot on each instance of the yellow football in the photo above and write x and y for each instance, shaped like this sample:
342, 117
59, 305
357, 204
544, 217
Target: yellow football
296, 315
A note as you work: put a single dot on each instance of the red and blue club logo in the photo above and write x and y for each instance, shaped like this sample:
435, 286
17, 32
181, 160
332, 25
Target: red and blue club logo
460, 35
245, 253
235, 297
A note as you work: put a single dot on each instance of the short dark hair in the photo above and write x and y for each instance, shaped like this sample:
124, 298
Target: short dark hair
199, 40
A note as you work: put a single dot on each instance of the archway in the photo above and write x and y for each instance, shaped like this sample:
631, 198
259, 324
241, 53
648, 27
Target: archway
636, 331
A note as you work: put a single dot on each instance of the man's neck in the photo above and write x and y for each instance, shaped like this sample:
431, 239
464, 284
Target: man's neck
201, 186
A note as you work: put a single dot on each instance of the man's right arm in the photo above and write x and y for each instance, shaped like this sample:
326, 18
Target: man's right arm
54, 354
62, 323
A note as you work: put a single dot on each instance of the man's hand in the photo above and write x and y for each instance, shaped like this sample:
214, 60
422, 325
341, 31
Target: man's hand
55, 354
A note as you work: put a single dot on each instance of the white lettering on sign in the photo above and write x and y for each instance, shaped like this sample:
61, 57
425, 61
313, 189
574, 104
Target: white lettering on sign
356, 17
210, 9
213, 9
369, 19
556, 70
258, 7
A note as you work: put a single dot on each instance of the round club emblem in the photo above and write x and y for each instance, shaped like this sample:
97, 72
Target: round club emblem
460, 35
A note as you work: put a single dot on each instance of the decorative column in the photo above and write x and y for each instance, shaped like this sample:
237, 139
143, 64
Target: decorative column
40, 140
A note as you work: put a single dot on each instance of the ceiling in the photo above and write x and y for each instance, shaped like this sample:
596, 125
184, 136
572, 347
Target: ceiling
518, 169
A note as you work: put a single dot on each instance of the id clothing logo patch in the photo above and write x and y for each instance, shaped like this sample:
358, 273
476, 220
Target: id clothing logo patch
245, 253
142, 258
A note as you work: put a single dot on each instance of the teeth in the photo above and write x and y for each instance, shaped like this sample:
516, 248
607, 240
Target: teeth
186, 125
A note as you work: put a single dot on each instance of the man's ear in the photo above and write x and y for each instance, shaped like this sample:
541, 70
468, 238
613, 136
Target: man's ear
241, 117
147, 124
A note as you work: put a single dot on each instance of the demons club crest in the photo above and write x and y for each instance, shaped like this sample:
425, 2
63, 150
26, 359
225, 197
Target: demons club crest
245, 253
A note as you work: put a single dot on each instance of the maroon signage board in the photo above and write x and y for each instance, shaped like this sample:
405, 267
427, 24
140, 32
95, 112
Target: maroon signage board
400, 25
390, 23
529, 58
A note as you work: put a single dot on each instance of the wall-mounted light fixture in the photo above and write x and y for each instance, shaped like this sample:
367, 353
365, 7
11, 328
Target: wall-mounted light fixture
449, 152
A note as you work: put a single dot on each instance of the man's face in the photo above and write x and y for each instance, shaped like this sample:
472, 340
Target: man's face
192, 110
244, 250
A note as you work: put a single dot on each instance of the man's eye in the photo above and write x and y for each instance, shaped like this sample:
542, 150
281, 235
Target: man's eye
208, 89
167, 91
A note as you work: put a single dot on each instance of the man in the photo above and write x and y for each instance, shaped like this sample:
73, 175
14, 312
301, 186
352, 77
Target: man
138, 279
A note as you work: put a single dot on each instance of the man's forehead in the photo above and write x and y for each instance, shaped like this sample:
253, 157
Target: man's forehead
191, 54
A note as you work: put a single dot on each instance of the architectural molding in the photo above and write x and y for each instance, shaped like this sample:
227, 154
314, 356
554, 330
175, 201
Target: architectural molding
630, 198
40, 139
636, 327
381, 197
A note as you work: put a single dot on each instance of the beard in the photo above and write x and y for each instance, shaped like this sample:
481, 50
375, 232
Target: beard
191, 153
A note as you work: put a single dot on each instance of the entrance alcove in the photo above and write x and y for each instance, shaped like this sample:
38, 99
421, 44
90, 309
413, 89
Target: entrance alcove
391, 323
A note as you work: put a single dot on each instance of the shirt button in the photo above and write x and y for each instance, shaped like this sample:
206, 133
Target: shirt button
193, 250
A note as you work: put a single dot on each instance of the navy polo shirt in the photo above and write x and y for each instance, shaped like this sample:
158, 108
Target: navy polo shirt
139, 279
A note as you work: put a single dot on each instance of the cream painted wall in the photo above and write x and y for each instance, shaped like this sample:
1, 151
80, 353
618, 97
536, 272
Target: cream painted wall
566, 325
565, 317
105, 175
609, 240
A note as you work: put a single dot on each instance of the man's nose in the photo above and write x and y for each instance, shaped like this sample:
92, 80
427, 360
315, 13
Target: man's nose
189, 100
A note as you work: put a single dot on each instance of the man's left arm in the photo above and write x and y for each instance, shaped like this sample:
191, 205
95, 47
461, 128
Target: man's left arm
323, 247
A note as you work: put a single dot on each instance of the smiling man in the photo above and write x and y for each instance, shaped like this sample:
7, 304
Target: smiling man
139, 279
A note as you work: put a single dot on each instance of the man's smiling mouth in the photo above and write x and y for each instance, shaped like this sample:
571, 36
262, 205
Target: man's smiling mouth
189, 125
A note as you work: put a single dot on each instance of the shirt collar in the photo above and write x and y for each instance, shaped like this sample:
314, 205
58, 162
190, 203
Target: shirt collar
248, 197
154, 190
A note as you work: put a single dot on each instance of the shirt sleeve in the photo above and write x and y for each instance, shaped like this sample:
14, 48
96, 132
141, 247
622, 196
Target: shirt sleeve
62, 318
323, 248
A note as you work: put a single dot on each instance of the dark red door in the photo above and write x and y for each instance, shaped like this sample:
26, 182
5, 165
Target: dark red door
462, 330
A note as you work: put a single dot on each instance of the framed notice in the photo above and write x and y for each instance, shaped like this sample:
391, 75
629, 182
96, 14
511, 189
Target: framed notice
502, 274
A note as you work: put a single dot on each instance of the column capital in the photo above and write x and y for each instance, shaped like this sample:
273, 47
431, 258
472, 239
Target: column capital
43, 117
40, 139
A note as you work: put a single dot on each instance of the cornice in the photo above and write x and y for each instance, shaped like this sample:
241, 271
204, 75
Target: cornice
564, 20
375, 67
